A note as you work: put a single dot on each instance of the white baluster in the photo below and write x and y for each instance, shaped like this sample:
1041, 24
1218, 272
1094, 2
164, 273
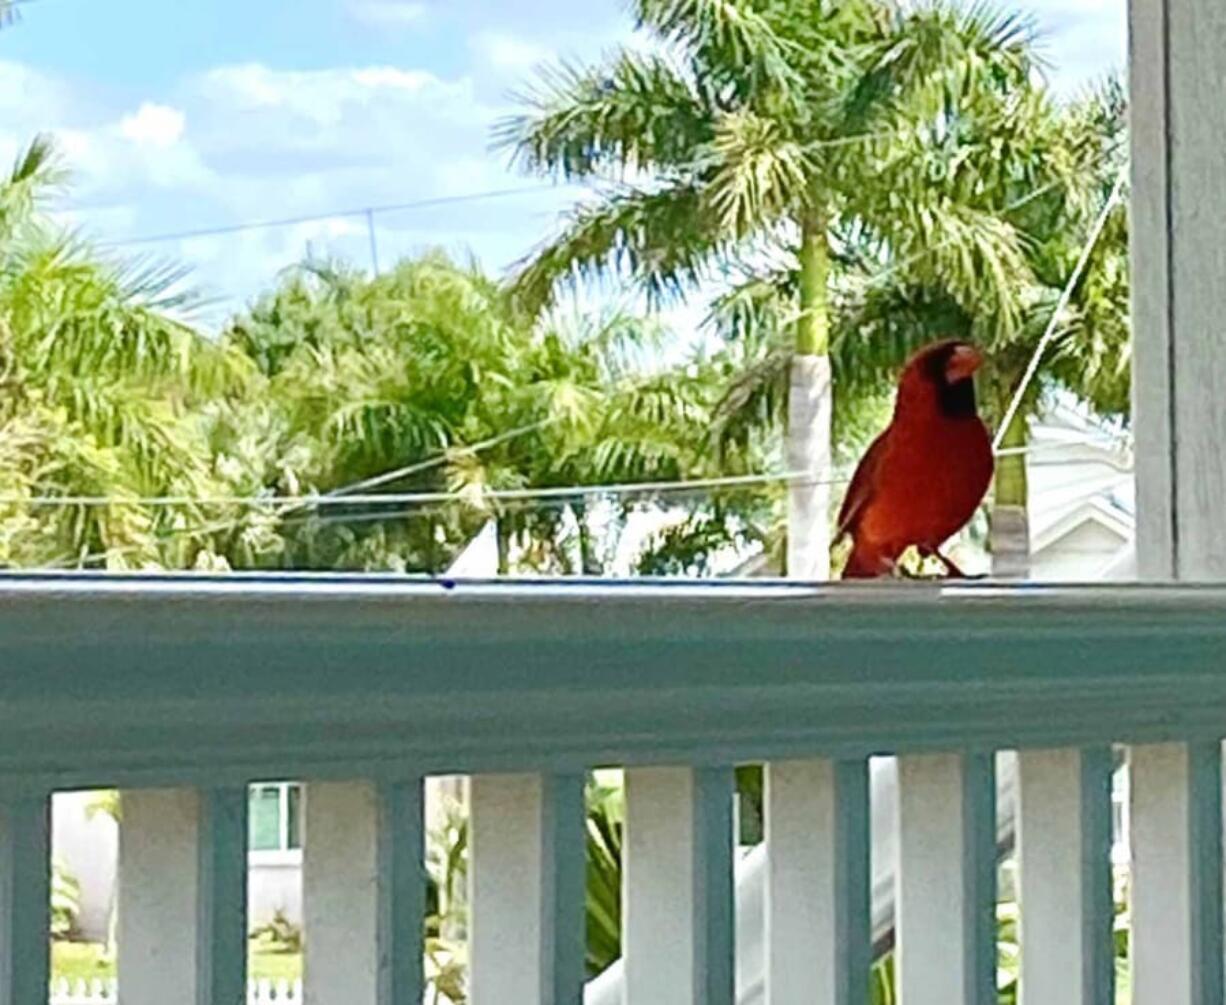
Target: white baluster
946, 926
1176, 818
339, 893
1064, 844
183, 885
526, 882
818, 938
364, 893
678, 887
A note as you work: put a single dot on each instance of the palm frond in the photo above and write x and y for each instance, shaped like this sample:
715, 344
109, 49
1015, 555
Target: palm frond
661, 239
730, 39
759, 175
756, 311
35, 175
39, 161
970, 251
879, 326
941, 51
633, 113
965, 46
754, 400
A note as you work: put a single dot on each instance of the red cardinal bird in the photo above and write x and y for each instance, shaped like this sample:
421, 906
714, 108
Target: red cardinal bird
923, 478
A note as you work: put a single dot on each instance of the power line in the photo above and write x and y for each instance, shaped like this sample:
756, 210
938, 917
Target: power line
442, 458
433, 503
366, 211
1061, 305
414, 498
350, 496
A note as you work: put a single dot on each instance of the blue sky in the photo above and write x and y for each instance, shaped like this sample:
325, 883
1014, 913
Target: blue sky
200, 113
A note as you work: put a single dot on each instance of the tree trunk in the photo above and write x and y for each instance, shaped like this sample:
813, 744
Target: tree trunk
502, 534
809, 414
589, 561
1010, 521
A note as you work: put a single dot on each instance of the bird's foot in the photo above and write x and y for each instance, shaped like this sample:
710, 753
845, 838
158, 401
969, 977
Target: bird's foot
900, 571
951, 569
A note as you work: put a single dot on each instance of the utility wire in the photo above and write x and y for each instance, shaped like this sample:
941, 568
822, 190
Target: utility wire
351, 496
289, 221
1066, 295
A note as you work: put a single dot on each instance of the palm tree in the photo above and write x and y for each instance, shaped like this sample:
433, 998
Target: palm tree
775, 134
361, 376
100, 380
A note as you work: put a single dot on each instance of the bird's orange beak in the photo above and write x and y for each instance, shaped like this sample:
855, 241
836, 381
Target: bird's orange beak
963, 362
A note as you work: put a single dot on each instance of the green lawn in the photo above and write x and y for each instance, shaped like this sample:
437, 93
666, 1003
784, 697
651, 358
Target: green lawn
76, 960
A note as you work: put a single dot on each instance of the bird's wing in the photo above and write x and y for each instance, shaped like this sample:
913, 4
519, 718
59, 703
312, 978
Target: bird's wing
863, 485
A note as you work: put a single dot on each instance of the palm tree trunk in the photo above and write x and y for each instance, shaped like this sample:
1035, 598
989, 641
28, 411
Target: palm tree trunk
809, 412
1010, 522
502, 534
589, 562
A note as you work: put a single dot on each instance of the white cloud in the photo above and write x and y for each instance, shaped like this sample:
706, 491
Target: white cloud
27, 95
504, 51
391, 77
266, 143
154, 125
344, 96
388, 13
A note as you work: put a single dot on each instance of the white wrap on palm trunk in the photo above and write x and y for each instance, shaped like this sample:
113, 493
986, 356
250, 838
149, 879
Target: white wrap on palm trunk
808, 450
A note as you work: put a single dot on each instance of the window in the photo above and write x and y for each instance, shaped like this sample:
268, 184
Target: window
275, 817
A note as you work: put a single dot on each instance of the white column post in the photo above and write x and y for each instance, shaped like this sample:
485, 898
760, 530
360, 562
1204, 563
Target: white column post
1177, 121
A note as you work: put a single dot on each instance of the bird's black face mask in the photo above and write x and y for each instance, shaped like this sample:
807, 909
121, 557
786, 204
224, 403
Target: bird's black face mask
957, 399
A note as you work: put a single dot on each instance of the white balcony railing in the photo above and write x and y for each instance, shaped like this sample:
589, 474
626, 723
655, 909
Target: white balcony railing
184, 690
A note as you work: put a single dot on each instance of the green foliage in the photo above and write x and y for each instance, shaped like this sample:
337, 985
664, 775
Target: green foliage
65, 901
764, 122
330, 379
106, 802
606, 825
102, 381
277, 935
862, 178
365, 376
